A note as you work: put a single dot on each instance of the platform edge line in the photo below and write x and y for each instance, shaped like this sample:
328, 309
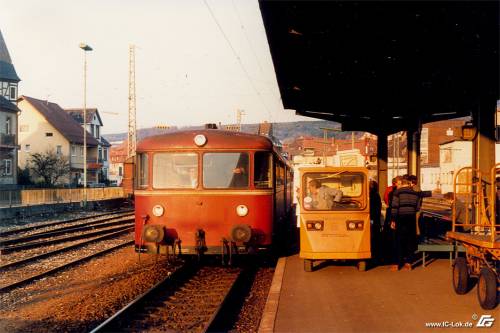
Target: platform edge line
271, 308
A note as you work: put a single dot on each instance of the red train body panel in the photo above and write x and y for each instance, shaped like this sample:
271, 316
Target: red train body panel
229, 188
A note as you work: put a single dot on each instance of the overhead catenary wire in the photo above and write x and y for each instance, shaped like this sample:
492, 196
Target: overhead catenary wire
242, 26
238, 58
246, 37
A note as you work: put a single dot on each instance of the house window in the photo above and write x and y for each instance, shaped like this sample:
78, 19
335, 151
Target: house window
105, 154
100, 153
13, 93
81, 150
92, 130
120, 171
97, 132
24, 128
59, 150
27, 148
8, 126
7, 167
49, 134
73, 150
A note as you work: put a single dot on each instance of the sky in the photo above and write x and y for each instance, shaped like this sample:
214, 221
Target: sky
197, 61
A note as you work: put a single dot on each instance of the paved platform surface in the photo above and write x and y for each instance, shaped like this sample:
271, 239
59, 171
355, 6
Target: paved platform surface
338, 298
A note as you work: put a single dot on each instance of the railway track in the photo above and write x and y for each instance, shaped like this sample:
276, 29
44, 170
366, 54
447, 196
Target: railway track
437, 208
57, 225
191, 299
65, 234
43, 251
30, 259
24, 281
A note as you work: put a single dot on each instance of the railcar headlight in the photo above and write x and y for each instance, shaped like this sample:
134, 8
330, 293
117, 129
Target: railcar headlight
200, 140
242, 210
354, 225
241, 233
153, 233
315, 225
158, 210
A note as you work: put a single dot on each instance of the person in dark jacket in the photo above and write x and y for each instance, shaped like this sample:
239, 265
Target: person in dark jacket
375, 209
388, 236
405, 205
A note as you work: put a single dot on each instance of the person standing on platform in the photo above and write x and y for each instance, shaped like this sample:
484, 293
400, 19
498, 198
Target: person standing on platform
388, 191
414, 185
375, 209
405, 205
388, 246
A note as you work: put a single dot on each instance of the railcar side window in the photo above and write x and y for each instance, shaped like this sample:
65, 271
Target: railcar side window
334, 191
175, 170
225, 170
262, 170
142, 170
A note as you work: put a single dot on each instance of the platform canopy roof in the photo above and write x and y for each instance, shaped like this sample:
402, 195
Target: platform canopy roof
384, 66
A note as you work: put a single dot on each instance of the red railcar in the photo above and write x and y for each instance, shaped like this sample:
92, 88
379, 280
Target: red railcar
210, 192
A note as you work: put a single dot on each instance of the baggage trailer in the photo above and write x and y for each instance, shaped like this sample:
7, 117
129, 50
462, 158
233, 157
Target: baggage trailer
475, 228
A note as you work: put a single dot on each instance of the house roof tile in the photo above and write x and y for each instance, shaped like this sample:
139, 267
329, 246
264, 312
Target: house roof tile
61, 120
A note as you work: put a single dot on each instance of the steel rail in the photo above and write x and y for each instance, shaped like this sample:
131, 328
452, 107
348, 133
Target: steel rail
60, 231
23, 282
10, 249
180, 277
50, 224
110, 324
64, 249
217, 315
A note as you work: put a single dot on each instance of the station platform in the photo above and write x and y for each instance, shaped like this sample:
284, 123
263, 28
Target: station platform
336, 297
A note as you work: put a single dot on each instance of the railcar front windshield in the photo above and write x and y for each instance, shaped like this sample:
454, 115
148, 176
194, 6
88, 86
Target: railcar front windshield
225, 170
334, 191
175, 170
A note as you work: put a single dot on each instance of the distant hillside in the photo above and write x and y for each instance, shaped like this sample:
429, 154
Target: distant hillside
283, 131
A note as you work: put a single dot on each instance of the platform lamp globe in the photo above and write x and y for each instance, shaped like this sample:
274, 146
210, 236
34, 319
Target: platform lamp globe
85, 48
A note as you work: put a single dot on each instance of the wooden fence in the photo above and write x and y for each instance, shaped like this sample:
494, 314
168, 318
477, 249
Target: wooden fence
10, 198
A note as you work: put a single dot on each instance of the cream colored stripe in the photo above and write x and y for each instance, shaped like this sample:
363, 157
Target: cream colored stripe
203, 193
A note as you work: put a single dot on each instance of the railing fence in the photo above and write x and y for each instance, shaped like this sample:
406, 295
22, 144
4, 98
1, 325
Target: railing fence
9, 198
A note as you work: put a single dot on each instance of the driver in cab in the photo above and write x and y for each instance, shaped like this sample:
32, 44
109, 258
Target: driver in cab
323, 197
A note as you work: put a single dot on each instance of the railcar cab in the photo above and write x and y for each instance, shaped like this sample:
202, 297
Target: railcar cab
334, 214
207, 192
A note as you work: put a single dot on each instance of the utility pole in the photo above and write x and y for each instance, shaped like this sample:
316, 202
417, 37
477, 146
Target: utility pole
85, 49
325, 141
239, 113
132, 124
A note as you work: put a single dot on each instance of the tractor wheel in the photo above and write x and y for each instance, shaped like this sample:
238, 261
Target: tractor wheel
487, 289
361, 265
308, 265
460, 276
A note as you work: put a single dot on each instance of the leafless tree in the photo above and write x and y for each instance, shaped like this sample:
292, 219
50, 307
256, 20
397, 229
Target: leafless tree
49, 167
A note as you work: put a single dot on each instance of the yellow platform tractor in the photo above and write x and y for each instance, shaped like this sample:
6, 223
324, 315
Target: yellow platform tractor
334, 215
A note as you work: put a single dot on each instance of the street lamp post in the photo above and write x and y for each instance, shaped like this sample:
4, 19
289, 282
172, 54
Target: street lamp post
85, 49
